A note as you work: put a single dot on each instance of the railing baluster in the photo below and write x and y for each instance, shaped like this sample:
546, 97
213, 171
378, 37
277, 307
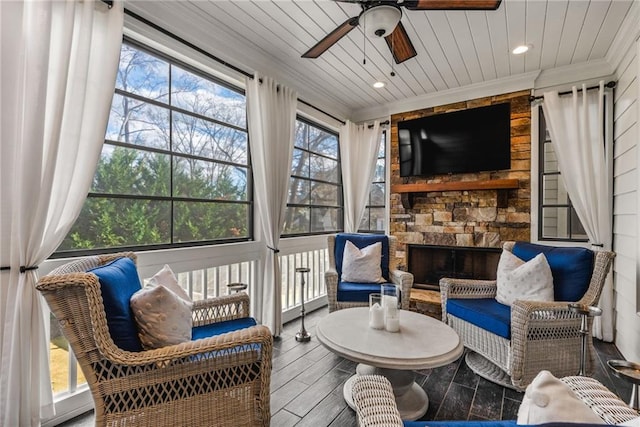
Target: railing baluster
205, 283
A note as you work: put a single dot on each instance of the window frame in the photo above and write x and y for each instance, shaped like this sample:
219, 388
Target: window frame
536, 137
339, 184
249, 202
571, 214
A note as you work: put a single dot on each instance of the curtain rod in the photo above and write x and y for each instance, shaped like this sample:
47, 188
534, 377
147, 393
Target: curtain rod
211, 56
609, 85
386, 122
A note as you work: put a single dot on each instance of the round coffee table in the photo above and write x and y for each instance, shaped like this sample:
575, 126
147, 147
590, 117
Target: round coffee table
422, 343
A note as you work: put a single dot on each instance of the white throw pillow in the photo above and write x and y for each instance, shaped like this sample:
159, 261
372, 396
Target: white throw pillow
362, 265
516, 279
547, 400
166, 278
162, 310
163, 318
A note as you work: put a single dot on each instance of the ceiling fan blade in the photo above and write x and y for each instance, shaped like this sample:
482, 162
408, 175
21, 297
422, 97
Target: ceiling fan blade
400, 44
452, 4
332, 38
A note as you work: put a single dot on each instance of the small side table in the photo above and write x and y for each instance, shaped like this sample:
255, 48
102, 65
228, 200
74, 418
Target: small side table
302, 335
236, 287
586, 312
630, 372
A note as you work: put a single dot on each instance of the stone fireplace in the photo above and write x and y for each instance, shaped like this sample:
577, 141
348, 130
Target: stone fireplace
468, 210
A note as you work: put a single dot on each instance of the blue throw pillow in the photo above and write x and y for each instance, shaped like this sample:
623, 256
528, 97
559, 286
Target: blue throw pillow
361, 241
118, 282
571, 268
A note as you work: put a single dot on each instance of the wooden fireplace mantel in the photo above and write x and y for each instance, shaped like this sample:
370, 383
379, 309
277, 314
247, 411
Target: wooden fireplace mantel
407, 190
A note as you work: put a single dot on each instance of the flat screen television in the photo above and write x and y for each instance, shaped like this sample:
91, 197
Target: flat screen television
471, 140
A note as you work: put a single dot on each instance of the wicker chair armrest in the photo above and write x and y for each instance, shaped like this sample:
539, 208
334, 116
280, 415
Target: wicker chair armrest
600, 399
218, 309
524, 311
465, 288
405, 281
241, 339
375, 403
331, 274
451, 288
527, 315
331, 283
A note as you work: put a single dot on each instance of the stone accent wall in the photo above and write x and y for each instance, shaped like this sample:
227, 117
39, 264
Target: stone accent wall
466, 218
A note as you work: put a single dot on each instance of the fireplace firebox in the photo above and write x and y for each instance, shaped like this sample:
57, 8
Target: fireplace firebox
430, 263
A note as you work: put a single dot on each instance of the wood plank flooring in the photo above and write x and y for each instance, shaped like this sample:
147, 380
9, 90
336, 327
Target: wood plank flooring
307, 380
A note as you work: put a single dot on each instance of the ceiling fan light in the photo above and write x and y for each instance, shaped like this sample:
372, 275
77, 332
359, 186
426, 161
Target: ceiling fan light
381, 20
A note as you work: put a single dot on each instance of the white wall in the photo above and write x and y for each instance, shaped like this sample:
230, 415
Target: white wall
627, 204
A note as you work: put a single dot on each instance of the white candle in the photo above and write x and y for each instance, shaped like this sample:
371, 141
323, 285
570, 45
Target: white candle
376, 316
392, 324
390, 304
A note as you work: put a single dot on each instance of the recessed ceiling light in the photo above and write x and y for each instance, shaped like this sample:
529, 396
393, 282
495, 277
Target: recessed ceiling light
521, 49
379, 84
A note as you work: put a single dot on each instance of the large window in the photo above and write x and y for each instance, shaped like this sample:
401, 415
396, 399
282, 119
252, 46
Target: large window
558, 218
174, 168
315, 190
373, 220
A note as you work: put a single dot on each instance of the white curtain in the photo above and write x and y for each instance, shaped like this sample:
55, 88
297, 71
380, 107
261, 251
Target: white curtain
576, 124
271, 115
359, 147
59, 63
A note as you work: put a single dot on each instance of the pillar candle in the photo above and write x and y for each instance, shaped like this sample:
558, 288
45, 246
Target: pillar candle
376, 317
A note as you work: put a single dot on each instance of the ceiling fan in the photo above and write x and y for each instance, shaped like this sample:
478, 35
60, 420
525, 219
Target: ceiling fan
381, 18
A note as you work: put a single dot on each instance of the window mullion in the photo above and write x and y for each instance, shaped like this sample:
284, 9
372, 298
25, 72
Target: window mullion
171, 160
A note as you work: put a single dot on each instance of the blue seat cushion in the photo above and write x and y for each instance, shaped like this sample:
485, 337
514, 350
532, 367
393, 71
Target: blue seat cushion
362, 241
571, 268
118, 282
485, 313
206, 331
219, 328
356, 292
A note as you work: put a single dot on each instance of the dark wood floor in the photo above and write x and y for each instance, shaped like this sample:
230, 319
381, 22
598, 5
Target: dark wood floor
307, 380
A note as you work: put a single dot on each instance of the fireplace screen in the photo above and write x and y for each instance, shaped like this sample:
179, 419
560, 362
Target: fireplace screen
431, 263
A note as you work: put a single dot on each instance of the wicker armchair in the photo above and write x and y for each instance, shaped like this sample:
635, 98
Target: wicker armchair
333, 283
543, 335
222, 380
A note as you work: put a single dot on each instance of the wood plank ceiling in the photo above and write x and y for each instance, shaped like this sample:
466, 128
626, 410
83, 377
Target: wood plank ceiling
455, 48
